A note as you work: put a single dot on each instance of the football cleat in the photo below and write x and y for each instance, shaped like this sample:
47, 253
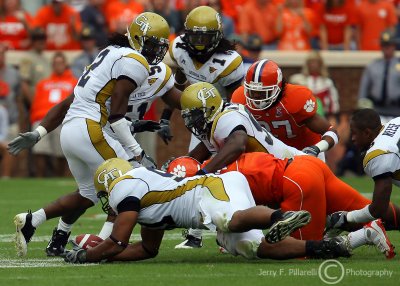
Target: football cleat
24, 232
291, 221
189, 242
376, 235
330, 248
57, 242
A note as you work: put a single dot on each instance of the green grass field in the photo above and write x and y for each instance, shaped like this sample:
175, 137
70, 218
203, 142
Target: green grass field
205, 266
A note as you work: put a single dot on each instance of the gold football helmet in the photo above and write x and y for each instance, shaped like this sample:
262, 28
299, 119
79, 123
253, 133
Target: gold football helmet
201, 103
105, 174
203, 30
148, 34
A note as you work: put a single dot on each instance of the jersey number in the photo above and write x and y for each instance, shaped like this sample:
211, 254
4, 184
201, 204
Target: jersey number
141, 109
99, 59
278, 124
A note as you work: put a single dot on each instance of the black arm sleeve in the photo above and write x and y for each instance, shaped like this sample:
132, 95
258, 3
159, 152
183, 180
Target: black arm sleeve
129, 204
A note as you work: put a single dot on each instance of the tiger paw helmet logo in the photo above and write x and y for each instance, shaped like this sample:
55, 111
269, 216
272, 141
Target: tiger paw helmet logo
179, 171
309, 106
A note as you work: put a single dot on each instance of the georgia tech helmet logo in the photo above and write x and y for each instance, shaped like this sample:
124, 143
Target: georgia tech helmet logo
105, 175
204, 93
142, 22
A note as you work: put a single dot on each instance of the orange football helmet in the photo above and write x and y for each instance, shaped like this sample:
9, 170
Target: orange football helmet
262, 84
184, 166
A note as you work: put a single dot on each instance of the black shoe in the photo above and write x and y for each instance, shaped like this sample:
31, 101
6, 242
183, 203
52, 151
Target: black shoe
190, 242
330, 248
57, 243
291, 221
24, 232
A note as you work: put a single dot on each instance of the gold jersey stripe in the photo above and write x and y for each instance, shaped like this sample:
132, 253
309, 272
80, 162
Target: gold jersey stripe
253, 145
119, 179
99, 142
372, 155
214, 124
168, 74
230, 69
139, 58
101, 98
214, 184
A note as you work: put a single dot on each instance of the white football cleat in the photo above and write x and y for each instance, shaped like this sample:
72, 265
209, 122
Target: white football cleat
376, 235
24, 232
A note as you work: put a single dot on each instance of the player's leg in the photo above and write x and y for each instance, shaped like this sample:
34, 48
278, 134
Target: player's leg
303, 189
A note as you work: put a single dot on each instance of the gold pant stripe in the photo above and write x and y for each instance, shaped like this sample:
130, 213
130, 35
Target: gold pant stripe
99, 142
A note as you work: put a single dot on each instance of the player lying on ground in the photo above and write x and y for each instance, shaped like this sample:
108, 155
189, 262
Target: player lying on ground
301, 183
159, 201
380, 144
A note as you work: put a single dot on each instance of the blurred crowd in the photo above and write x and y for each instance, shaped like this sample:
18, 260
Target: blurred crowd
28, 91
281, 24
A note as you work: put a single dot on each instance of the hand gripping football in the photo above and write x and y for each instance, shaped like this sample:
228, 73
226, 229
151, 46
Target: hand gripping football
87, 241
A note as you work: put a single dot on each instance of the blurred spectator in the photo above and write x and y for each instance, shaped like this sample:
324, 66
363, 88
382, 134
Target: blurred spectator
173, 17
259, 17
120, 13
294, 26
372, 17
381, 79
49, 92
233, 8
88, 54
4, 156
9, 91
189, 5
62, 24
336, 31
14, 25
315, 76
92, 15
251, 50
227, 22
33, 66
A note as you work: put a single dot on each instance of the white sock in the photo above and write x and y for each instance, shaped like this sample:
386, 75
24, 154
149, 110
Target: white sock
64, 226
38, 217
357, 238
196, 232
106, 230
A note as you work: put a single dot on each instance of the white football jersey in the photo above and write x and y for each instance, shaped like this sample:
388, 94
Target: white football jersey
160, 81
96, 84
222, 69
164, 201
384, 155
259, 139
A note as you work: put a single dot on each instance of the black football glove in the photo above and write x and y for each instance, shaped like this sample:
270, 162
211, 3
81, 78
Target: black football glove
165, 131
312, 150
144, 125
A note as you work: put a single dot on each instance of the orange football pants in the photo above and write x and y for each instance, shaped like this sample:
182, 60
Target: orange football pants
309, 184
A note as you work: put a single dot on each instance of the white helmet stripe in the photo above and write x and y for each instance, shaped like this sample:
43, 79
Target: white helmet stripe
260, 65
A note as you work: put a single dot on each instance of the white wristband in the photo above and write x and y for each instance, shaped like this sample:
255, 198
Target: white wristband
121, 128
333, 135
360, 216
42, 131
322, 145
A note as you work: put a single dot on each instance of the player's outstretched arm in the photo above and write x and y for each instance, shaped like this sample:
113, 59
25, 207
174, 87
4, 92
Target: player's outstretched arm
51, 121
234, 146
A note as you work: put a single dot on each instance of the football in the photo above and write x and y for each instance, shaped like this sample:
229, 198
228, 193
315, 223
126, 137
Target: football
87, 241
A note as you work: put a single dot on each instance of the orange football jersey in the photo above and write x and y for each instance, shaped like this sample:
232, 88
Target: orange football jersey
285, 119
264, 173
